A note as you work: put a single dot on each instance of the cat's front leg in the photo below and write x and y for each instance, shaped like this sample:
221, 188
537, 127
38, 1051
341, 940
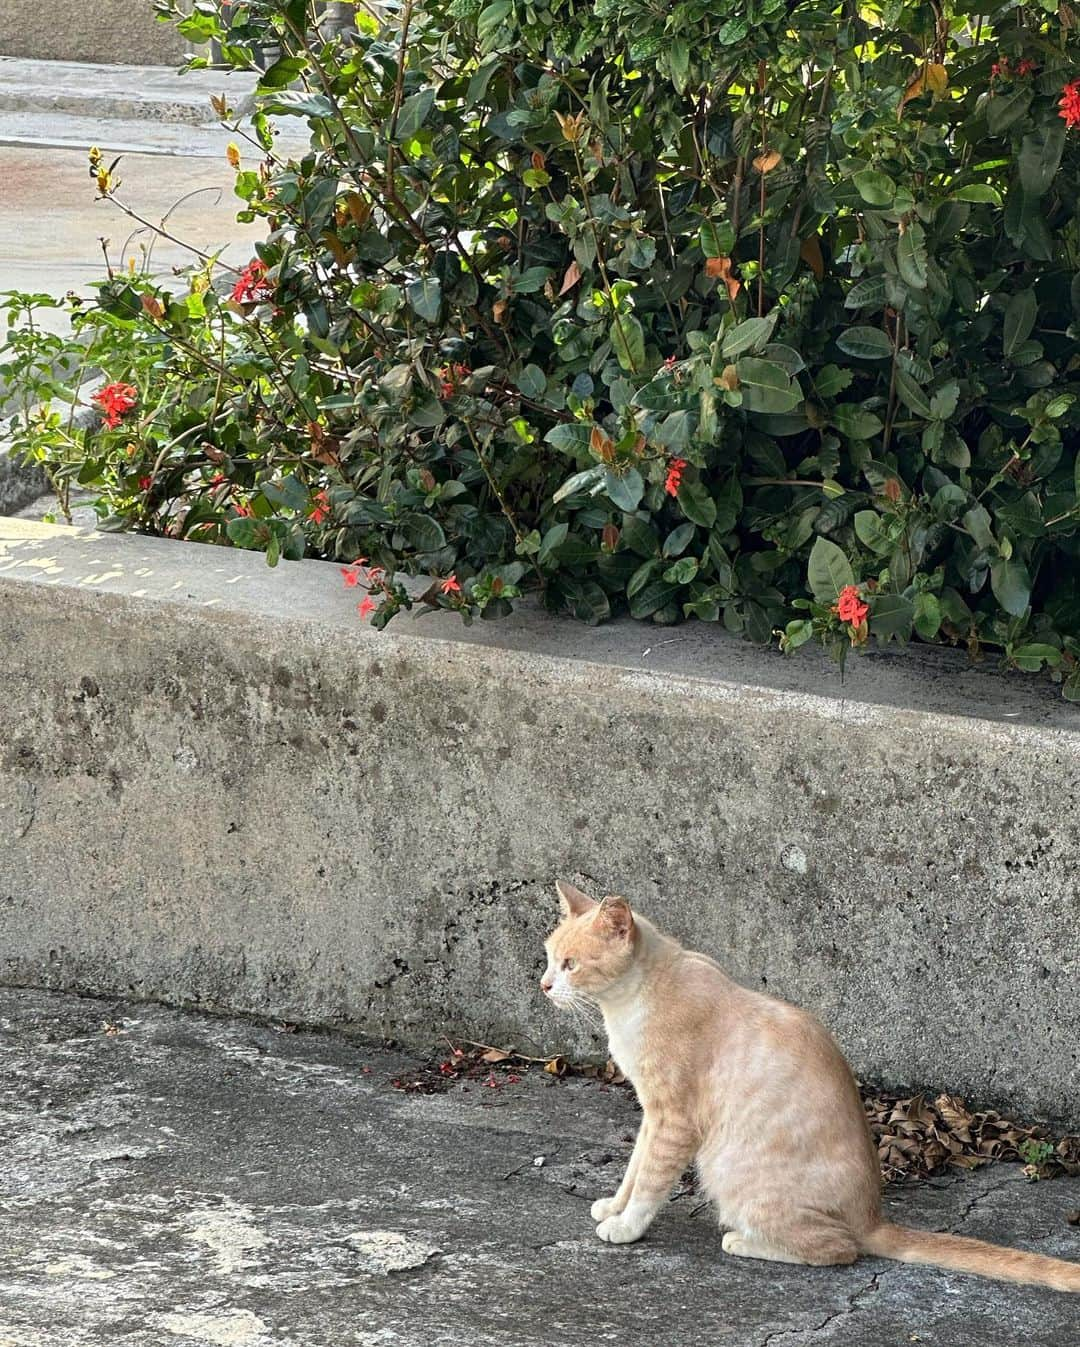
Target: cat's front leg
668, 1147
604, 1207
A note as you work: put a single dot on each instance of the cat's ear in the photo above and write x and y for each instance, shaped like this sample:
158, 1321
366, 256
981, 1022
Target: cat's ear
615, 917
572, 901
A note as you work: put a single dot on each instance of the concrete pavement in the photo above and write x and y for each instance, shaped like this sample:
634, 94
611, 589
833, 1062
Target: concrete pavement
172, 1180
173, 163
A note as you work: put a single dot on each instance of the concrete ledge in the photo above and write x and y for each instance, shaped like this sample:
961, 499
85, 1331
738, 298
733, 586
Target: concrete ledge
101, 30
19, 485
218, 788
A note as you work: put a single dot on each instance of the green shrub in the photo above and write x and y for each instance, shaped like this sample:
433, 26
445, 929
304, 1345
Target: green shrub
715, 311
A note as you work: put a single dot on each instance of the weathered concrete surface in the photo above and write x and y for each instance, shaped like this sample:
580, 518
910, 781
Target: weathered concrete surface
19, 485
116, 92
170, 1180
217, 787
90, 30
53, 221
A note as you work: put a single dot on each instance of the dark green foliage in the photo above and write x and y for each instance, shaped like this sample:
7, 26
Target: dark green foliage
820, 255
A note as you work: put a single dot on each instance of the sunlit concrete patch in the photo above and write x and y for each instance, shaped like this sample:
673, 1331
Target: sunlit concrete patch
228, 1234
229, 1328
386, 1251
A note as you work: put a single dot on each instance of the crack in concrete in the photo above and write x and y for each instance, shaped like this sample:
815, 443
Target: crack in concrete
852, 1307
979, 1197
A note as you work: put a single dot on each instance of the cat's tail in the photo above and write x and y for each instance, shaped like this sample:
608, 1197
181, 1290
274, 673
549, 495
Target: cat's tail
961, 1254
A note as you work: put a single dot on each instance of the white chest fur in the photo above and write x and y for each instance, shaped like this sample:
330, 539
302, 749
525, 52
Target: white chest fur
626, 1035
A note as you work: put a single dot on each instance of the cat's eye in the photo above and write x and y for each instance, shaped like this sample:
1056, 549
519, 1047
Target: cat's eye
569, 965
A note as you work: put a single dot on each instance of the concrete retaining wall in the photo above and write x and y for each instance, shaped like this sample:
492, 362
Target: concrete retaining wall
123, 32
218, 788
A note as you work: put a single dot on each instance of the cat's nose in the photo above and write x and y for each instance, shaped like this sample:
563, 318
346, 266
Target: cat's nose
546, 984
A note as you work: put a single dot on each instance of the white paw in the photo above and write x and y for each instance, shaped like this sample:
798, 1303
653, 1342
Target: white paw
618, 1230
733, 1243
602, 1208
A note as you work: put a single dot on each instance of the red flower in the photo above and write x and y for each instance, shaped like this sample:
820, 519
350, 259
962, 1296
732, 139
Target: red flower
676, 467
321, 509
252, 285
670, 363
352, 578
1026, 67
115, 400
850, 608
450, 585
366, 605
245, 511
1000, 69
451, 376
1070, 103
145, 483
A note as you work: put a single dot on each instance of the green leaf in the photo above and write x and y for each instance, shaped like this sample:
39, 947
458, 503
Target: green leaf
682, 571
1032, 656
491, 18
628, 341
717, 238
413, 113
697, 504
297, 104
891, 615
626, 490
832, 380
980, 193
580, 481
943, 401
855, 422
679, 62
1020, 314
1040, 156
766, 386
590, 604
870, 530
1003, 110
749, 335
865, 294
641, 577
977, 523
828, 571
911, 256
1011, 584
678, 539
658, 594
865, 343
912, 395
571, 437
927, 615
639, 536
532, 382
422, 532
553, 538
282, 73
425, 297
876, 189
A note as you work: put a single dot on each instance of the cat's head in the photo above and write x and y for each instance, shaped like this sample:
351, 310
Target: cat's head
590, 949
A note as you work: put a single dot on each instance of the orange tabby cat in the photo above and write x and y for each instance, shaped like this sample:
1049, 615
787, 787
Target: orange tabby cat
755, 1092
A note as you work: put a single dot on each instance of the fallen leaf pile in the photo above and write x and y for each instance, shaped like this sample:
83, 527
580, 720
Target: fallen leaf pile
917, 1137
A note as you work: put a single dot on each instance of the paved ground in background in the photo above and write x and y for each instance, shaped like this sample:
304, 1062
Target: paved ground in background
51, 112
171, 1180
51, 221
